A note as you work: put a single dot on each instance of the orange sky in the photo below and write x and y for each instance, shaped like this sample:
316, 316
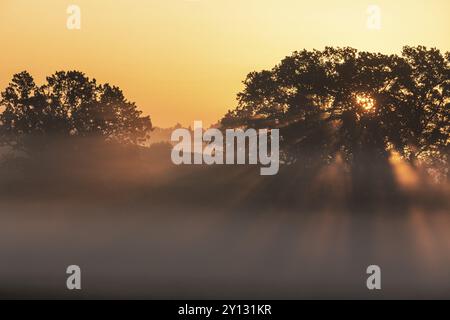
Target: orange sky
184, 60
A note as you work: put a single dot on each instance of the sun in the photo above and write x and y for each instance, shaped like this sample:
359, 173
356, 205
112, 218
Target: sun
365, 101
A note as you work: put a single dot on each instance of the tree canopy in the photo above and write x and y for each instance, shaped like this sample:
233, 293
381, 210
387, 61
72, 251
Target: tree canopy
68, 105
341, 101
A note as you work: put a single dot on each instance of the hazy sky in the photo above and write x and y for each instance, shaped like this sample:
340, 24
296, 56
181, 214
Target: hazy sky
184, 60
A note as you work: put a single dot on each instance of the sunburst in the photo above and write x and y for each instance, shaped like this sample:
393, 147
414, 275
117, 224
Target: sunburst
365, 101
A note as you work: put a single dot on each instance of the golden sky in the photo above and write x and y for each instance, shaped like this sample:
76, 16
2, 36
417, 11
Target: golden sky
184, 60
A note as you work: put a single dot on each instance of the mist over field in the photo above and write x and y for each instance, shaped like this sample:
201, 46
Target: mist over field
141, 227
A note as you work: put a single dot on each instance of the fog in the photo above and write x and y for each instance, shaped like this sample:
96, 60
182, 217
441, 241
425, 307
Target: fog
141, 227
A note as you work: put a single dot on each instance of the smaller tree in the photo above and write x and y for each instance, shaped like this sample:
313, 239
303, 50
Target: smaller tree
68, 105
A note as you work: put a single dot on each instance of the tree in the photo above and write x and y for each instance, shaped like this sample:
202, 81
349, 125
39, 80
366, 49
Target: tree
68, 105
359, 105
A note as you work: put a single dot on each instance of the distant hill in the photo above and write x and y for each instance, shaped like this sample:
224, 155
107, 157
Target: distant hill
159, 135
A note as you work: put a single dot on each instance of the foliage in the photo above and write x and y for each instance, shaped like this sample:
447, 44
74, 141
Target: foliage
68, 105
356, 104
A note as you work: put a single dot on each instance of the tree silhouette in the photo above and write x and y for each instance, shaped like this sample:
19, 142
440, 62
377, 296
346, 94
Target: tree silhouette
359, 105
68, 105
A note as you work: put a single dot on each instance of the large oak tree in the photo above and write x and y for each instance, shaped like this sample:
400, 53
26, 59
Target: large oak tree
360, 105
